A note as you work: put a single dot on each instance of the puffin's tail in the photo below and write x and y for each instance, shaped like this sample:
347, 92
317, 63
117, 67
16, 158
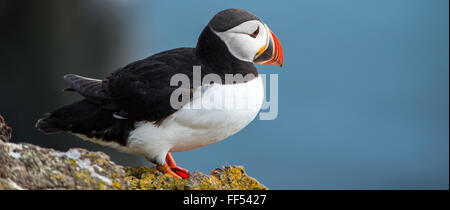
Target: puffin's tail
86, 118
45, 124
79, 117
93, 117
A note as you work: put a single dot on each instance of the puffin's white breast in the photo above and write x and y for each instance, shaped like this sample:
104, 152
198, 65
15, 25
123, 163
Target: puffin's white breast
215, 112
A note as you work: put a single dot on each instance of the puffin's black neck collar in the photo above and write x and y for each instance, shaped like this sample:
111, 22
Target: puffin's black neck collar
213, 53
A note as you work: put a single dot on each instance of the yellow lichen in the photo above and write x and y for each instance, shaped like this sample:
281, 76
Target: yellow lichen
59, 176
116, 184
101, 186
73, 162
100, 161
229, 178
133, 181
85, 176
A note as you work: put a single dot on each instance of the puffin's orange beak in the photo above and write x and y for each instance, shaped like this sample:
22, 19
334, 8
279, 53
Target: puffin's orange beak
271, 53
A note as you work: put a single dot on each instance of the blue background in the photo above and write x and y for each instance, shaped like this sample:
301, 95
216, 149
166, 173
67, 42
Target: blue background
363, 93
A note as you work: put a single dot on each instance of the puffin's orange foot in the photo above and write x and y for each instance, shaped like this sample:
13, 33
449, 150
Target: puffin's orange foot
166, 169
173, 166
177, 168
181, 172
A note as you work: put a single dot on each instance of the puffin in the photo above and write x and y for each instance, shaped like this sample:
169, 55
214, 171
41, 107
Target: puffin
140, 108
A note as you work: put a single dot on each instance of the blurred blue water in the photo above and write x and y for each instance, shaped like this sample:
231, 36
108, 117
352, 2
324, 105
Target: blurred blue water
363, 93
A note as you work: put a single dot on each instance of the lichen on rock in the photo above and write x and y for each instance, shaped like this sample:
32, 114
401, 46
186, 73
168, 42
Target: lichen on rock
225, 178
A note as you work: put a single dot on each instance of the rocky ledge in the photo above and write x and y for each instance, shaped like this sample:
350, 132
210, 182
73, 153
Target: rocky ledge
26, 166
5, 130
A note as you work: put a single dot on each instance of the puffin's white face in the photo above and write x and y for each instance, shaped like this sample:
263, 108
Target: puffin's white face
250, 40
245, 40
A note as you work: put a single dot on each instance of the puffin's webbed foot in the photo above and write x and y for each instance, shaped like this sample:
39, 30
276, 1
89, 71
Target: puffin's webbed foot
166, 169
173, 166
170, 167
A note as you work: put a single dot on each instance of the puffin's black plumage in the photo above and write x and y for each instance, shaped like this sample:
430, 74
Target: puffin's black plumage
141, 90
89, 119
230, 18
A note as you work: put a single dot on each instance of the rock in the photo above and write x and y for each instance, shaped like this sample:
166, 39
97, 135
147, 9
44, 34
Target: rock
5, 130
26, 166
225, 178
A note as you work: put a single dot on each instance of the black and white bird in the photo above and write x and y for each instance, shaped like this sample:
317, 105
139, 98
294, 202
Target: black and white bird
131, 109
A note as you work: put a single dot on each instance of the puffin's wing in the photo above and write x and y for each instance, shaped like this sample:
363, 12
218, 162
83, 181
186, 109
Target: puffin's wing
90, 88
142, 89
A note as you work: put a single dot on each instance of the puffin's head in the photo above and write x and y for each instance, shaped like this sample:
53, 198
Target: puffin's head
247, 37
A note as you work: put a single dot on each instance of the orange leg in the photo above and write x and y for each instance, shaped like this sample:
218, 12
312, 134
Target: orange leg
171, 162
170, 167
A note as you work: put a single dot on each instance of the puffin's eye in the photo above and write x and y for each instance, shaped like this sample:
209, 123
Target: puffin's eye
255, 33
